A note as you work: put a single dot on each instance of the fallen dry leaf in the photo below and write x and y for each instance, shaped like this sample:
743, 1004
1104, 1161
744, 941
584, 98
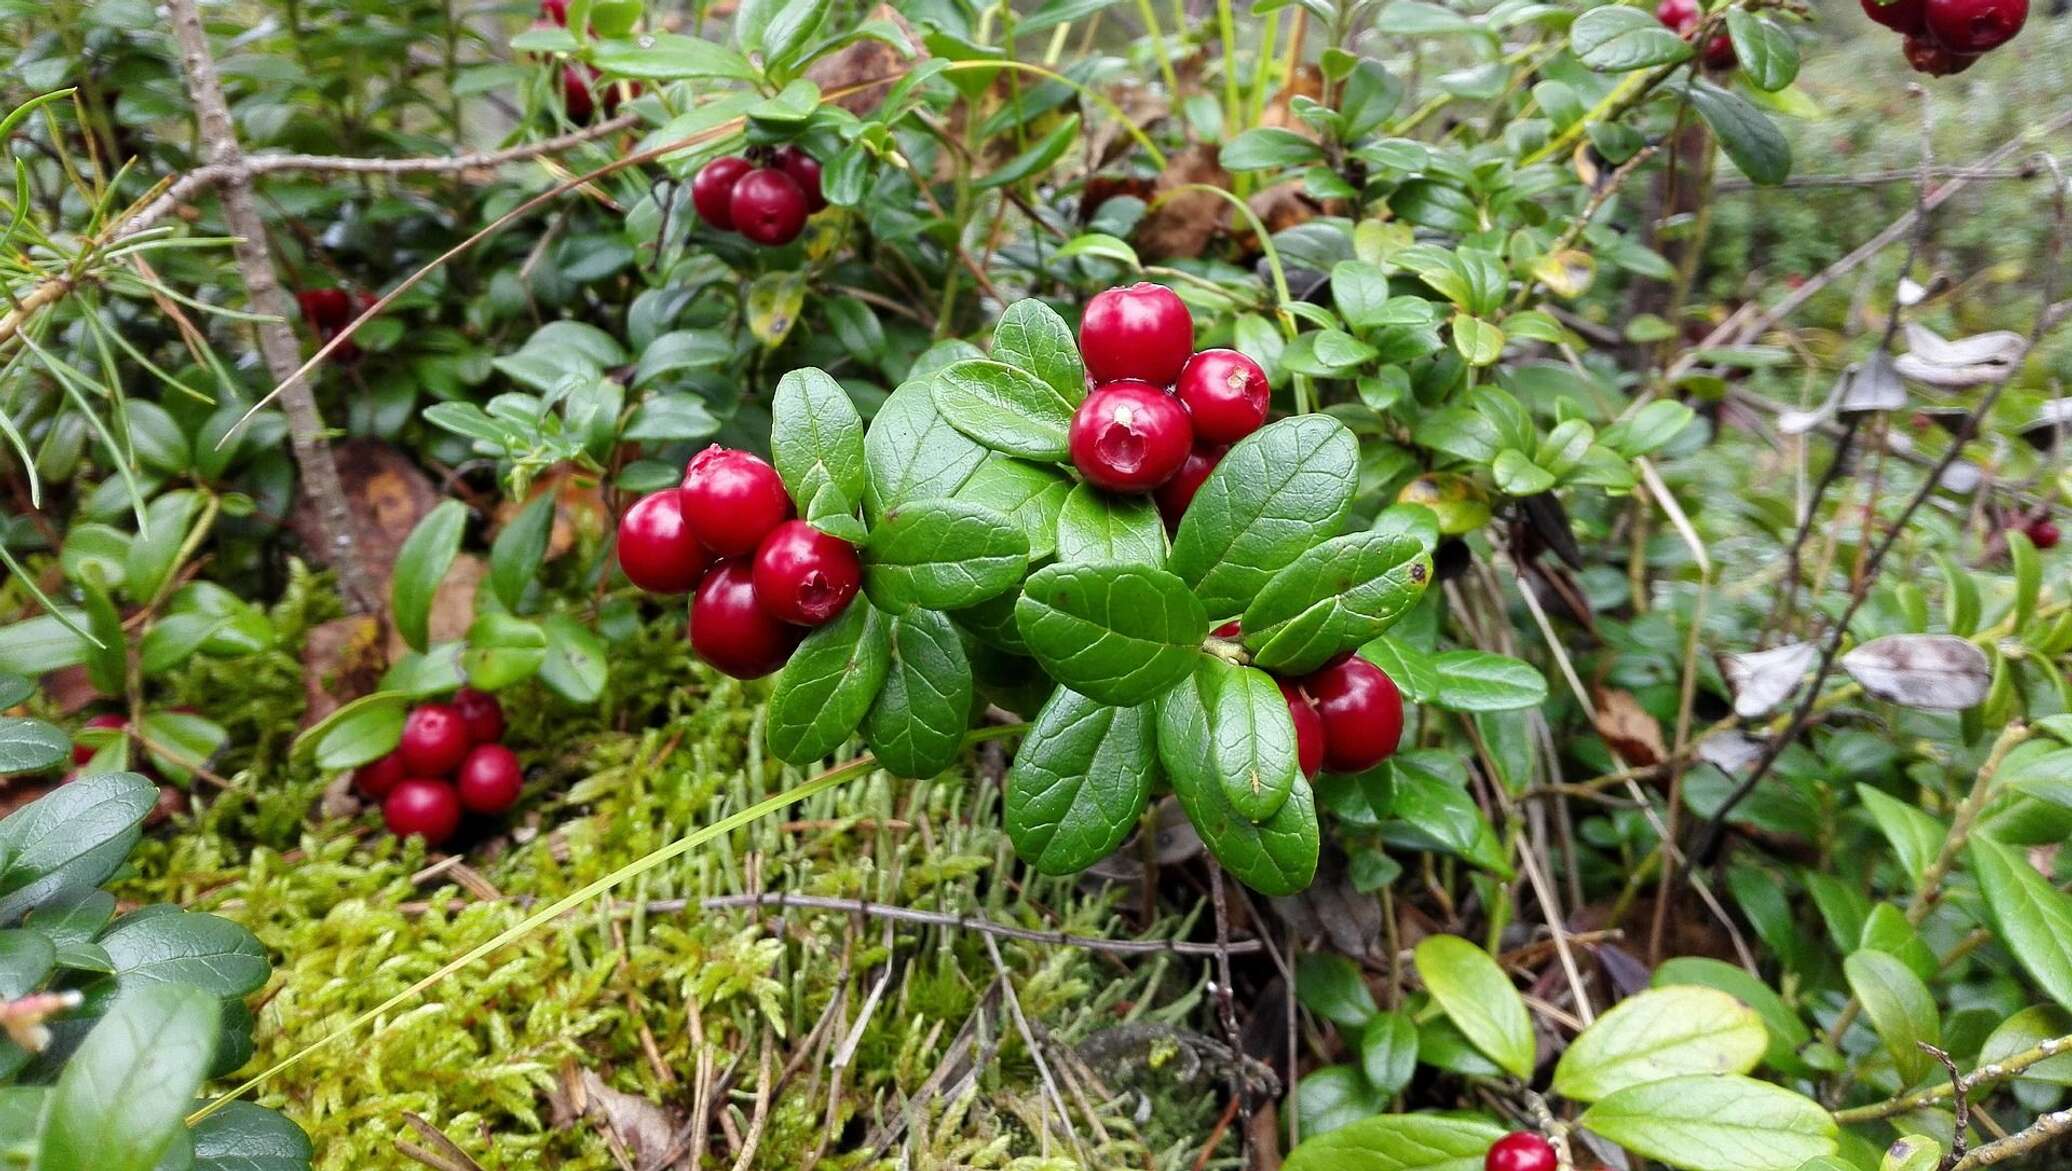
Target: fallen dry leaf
1628, 728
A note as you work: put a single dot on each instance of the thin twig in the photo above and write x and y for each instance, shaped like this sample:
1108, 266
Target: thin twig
1021, 1024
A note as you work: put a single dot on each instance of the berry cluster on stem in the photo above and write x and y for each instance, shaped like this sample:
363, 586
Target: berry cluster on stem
767, 204
450, 761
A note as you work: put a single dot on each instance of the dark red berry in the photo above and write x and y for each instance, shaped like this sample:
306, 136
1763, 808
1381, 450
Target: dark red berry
1130, 437
482, 714
1719, 52
1926, 56
804, 170
555, 11
1679, 16
1229, 629
489, 779
1176, 494
656, 546
1901, 16
81, 753
2043, 533
430, 809
1309, 730
326, 310
733, 499
1974, 26
377, 779
435, 740
1225, 394
578, 96
1362, 713
768, 207
1142, 332
712, 190
1522, 1151
804, 576
732, 631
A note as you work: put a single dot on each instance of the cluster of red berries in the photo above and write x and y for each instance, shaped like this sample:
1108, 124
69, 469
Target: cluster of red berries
1520, 1151
1946, 36
767, 204
761, 576
1683, 17
582, 87
329, 310
1348, 713
450, 761
1160, 415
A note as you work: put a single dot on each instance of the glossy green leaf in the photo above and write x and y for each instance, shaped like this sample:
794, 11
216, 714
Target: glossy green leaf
515, 555
1618, 39
1899, 1006
1116, 632
1477, 681
1388, 1051
186, 947
1399, 1142
245, 1136
1032, 337
1278, 491
2034, 917
1079, 782
916, 727
1332, 986
942, 554
69, 840
420, 565
1715, 1123
120, 1100
26, 957
1745, 133
359, 731
816, 439
578, 662
30, 745
1786, 1031
1228, 727
913, 453
1006, 408
830, 682
1278, 857
1332, 1097
1097, 526
1333, 598
1030, 495
1659, 1033
1767, 54
503, 650
1479, 998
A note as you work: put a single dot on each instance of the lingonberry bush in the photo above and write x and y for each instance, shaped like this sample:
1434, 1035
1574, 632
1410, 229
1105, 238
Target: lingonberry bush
1604, 612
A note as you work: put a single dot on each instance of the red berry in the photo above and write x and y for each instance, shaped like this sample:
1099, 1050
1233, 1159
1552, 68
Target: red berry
1142, 332
577, 96
489, 779
804, 170
1225, 394
712, 190
1176, 494
377, 779
430, 809
656, 547
326, 310
556, 11
435, 740
804, 576
1309, 730
1229, 629
2043, 533
1719, 52
1362, 713
768, 207
81, 753
1679, 16
1901, 16
1522, 1151
1926, 56
733, 499
1130, 437
482, 714
731, 630
1974, 26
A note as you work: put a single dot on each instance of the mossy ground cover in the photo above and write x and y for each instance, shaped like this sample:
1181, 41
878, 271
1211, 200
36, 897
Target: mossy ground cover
517, 1059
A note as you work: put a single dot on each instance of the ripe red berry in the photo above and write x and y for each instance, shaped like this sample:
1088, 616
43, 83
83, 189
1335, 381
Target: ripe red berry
1521, 1151
377, 779
435, 740
1176, 494
1925, 55
1225, 394
577, 97
804, 170
430, 809
656, 546
731, 630
768, 207
1901, 16
1362, 713
1229, 629
489, 779
804, 576
1142, 332
482, 714
81, 753
712, 190
556, 11
326, 310
1719, 52
1974, 26
1679, 16
2043, 533
732, 500
1130, 437
1309, 730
